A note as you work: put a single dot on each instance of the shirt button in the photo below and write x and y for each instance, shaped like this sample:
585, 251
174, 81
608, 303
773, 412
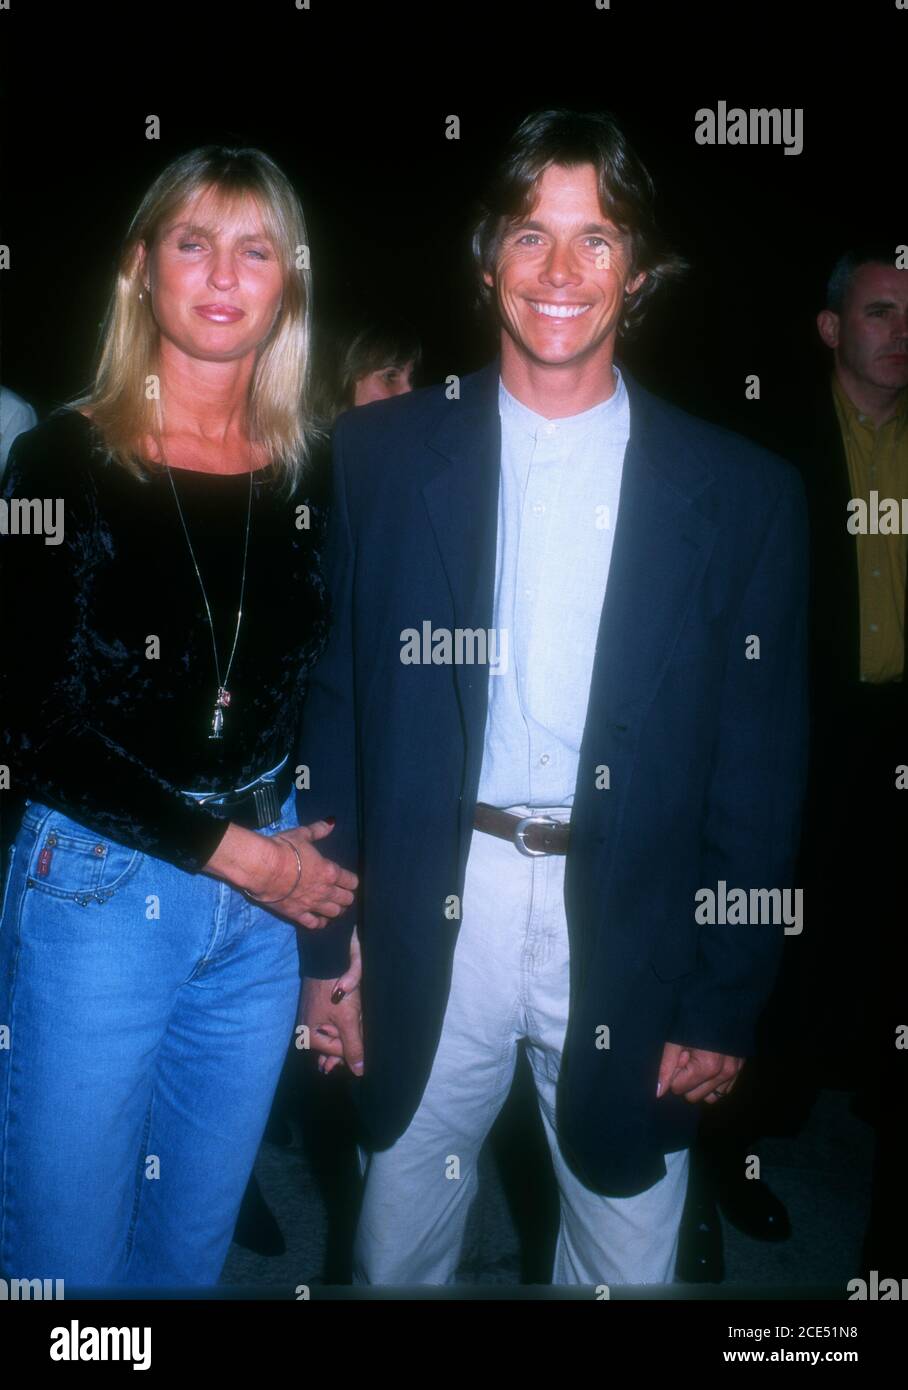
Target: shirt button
875, 573
538, 508
544, 759
550, 428
874, 627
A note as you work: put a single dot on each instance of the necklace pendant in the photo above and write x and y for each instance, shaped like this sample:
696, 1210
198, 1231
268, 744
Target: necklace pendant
217, 718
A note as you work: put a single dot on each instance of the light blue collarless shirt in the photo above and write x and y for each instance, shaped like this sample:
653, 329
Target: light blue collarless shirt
557, 510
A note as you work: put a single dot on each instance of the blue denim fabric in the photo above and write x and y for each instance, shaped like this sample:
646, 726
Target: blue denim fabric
150, 1012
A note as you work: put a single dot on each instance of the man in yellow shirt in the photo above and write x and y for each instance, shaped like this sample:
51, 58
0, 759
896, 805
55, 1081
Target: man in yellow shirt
856, 822
868, 334
841, 995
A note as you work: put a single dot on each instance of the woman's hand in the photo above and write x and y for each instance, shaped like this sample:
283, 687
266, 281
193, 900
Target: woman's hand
266, 867
332, 1011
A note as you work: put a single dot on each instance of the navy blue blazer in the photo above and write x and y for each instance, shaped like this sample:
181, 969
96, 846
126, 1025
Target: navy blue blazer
705, 746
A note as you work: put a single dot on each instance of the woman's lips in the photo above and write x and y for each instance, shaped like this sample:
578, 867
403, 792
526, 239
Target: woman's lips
219, 313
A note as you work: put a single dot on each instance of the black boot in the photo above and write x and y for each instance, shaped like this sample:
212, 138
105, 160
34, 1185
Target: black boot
747, 1203
256, 1228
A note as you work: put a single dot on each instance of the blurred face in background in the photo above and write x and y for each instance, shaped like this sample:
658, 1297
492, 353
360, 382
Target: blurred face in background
383, 383
870, 336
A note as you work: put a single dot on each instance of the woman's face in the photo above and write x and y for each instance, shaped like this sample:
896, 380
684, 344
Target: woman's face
215, 279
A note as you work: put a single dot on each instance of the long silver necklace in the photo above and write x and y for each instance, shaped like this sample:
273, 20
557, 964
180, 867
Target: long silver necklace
222, 700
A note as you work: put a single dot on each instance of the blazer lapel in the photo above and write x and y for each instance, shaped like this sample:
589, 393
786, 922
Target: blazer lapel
661, 548
462, 505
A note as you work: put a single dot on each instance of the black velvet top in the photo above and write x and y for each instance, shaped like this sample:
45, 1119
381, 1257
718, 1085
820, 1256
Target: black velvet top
100, 721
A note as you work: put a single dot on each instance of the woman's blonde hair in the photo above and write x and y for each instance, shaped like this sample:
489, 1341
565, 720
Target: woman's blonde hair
279, 417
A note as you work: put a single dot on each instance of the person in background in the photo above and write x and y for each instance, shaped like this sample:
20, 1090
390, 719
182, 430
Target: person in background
836, 1007
851, 442
16, 416
370, 362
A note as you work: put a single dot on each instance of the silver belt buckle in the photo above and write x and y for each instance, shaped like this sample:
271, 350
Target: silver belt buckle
266, 804
520, 830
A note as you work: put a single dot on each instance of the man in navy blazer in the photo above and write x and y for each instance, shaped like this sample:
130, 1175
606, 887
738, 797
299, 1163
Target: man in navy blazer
561, 723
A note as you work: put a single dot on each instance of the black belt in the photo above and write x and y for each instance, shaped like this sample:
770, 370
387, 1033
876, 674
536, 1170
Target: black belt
532, 835
257, 805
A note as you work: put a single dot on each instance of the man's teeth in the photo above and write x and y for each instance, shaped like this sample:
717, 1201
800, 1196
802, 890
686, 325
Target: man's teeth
560, 311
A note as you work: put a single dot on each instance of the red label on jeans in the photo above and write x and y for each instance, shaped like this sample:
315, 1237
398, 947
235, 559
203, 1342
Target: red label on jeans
44, 863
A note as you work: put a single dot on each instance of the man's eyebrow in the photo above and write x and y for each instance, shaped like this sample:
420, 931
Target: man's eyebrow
591, 228
879, 304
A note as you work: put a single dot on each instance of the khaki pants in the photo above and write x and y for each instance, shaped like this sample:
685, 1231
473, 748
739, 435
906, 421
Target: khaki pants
510, 980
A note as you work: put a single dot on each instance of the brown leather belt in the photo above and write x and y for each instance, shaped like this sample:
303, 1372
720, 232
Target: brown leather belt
532, 835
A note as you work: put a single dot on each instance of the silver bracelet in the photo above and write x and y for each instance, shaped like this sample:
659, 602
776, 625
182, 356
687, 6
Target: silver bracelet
269, 902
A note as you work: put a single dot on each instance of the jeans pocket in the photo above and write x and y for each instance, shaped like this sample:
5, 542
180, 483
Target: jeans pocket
69, 860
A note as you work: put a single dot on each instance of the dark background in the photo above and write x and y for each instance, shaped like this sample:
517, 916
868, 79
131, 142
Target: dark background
351, 101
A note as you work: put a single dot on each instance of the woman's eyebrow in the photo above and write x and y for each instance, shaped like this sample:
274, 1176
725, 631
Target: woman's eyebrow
196, 229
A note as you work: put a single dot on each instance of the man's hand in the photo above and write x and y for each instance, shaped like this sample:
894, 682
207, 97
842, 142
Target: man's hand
331, 1010
697, 1075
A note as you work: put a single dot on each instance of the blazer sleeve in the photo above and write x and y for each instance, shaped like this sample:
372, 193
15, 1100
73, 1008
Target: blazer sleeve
327, 746
54, 751
753, 812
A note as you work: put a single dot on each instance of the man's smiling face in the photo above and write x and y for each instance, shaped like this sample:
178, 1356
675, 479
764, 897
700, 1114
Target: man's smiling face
562, 272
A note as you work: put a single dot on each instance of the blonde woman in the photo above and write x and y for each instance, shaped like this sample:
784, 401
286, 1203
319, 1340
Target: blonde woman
154, 665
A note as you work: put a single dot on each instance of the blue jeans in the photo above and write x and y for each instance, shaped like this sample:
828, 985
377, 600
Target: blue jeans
149, 1011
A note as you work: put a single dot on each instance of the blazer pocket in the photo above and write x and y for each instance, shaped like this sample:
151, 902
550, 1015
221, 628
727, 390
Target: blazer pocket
68, 861
675, 954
